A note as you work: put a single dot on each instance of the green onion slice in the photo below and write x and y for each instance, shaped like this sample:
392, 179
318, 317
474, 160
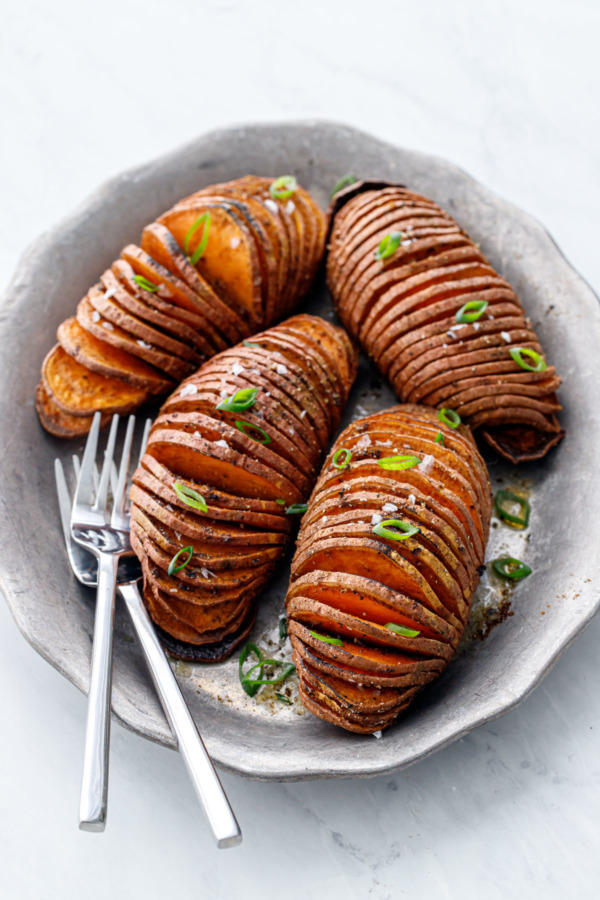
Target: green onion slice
341, 458
190, 497
145, 283
507, 567
404, 530
283, 187
296, 509
504, 497
439, 438
342, 183
389, 245
517, 354
449, 417
250, 344
204, 219
241, 400
242, 426
283, 699
251, 685
396, 463
172, 565
400, 629
281, 502
326, 639
283, 629
472, 311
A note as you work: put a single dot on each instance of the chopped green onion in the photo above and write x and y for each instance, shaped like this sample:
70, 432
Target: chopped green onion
172, 567
507, 567
504, 497
449, 417
396, 463
341, 458
190, 497
517, 354
145, 283
296, 509
439, 438
326, 639
389, 245
251, 685
241, 400
283, 187
383, 530
242, 426
204, 219
281, 502
250, 344
283, 699
400, 629
283, 629
342, 183
478, 308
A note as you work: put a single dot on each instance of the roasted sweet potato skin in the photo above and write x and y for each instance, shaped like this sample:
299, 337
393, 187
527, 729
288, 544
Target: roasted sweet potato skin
386, 564
217, 486
215, 268
405, 309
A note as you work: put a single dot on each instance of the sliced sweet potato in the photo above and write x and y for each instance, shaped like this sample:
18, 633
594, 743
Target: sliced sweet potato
401, 307
80, 392
376, 569
58, 422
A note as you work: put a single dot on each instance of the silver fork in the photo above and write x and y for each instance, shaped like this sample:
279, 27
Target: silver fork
200, 768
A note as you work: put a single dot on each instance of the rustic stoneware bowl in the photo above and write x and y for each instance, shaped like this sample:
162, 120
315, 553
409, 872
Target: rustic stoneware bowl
266, 739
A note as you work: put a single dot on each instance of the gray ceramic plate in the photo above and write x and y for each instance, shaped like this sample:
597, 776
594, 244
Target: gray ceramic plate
267, 739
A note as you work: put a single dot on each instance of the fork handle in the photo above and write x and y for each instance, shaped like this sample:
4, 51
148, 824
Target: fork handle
94, 787
197, 761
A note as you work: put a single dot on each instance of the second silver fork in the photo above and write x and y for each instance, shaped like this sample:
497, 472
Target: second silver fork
107, 538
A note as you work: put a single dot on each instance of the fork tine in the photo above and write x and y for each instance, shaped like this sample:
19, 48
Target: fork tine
102, 495
119, 518
76, 466
147, 428
64, 500
84, 489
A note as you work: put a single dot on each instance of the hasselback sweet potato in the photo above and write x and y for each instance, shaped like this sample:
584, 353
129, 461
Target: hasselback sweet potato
233, 452
438, 321
386, 564
219, 265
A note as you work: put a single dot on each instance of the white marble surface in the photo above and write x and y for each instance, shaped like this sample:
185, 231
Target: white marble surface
508, 90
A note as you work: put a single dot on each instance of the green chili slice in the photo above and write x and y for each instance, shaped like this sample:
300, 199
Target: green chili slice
507, 567
389, 245
400, 629
174, 568
449, 417
296, 509
504, 497
472, 311
517, 354
242, 426
341, 458
145, 283
283, 187
342, 183
404, 530
204, 219
190, 497
240, 401
326, 639
396, 463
